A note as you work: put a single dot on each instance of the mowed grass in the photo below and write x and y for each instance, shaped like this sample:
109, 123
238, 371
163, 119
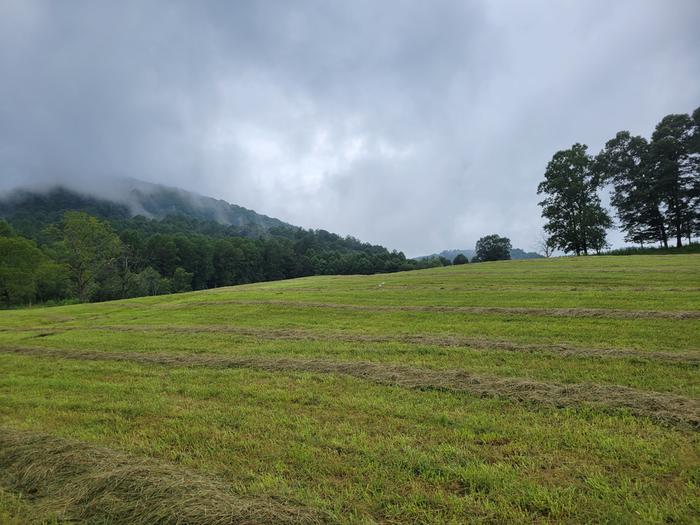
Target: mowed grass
353, 450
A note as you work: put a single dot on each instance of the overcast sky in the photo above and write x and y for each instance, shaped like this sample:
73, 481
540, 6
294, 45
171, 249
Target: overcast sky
419, 125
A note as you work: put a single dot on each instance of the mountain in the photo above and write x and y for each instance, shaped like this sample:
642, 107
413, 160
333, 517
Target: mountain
158, 201
160, 240
515, 253
129, 198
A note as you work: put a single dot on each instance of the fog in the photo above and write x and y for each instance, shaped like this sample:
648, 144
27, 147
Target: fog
417, 125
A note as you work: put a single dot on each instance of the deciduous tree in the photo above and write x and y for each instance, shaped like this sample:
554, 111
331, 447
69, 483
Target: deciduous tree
576, 221
493, 248
88, 247
460, 258
624, 163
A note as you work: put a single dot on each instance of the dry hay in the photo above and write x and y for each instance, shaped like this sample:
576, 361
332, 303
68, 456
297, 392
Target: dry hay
83, 482
604, 313
689, 358
662, 407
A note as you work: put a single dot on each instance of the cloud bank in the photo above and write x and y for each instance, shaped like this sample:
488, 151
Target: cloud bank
417, 125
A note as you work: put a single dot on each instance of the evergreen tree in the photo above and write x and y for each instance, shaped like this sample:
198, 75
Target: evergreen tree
674, 161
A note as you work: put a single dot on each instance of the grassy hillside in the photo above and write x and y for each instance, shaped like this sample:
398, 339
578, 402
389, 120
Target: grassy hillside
549, 390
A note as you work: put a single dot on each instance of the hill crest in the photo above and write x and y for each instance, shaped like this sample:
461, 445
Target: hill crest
125, 198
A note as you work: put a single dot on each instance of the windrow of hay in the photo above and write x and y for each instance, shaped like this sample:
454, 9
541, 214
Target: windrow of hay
609, 313
83, 482
689, 358
683, 358
661, 407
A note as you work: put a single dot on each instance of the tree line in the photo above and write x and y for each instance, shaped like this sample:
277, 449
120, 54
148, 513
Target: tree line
654, 188
83, 258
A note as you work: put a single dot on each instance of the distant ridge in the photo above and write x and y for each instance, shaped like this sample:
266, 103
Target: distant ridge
159, 201
125, 198
515, 253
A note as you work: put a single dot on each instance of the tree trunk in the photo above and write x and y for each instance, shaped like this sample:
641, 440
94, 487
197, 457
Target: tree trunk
664, 237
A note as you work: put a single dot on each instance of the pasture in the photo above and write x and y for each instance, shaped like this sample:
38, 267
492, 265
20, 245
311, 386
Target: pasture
557, 390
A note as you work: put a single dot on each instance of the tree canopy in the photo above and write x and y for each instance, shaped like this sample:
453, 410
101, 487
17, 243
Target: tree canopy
460, 258
492, 248
576, 220
88, 246
655, 188
87, 259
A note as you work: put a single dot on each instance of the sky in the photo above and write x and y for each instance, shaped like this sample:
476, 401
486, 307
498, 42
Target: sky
417, 125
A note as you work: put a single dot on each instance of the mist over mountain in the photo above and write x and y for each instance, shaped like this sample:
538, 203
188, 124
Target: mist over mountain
59, 244
124, 198
117, 199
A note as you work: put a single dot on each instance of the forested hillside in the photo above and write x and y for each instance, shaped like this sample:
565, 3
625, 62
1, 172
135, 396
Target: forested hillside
63, 246
31, 211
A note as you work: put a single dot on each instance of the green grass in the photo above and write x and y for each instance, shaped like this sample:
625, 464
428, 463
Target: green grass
361, 452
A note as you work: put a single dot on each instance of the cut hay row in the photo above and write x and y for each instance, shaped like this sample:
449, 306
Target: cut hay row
689, 358
608, 313
661, 407
82, 482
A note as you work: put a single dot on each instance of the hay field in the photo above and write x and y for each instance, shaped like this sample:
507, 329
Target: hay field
549, 391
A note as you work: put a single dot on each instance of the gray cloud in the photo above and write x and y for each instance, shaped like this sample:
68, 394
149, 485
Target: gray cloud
417, 125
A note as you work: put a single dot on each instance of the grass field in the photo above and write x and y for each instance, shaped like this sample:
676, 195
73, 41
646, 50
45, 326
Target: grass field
559, 390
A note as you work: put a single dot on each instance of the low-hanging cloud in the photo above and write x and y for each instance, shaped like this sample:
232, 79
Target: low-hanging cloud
417, 125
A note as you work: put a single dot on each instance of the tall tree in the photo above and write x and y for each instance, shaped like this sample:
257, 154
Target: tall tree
124, 278
576, 221
493, 248
624, 163
694, 226
88, 247
674, 162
